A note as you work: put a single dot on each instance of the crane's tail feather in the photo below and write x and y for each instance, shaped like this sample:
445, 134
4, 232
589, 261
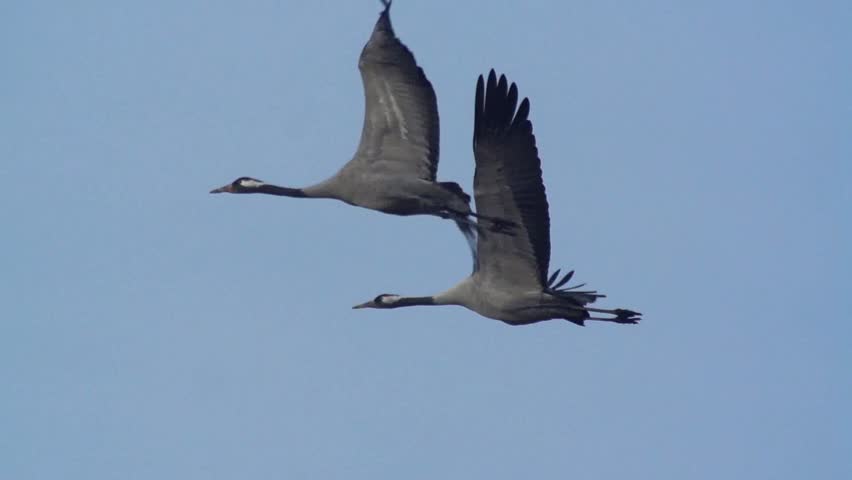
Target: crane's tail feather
579, 297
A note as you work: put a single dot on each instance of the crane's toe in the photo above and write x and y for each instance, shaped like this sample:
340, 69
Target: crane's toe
622, 315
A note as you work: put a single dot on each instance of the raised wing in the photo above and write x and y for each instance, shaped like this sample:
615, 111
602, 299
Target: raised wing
507, 185
401, 132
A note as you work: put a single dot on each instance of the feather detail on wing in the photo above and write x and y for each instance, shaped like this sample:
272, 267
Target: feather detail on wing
508, 186
400, 135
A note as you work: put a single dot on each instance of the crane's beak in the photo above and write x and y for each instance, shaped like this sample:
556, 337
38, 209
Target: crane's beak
226, 189
363, 305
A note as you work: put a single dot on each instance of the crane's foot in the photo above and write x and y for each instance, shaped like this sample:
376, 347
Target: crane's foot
502, 226
620, 315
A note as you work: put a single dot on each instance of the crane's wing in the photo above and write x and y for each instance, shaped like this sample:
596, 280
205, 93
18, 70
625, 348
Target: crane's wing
507, 185
401, 132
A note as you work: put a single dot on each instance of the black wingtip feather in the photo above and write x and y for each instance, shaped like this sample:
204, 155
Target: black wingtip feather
512, 98
502, 113
503, 130
523, 112
384, 23
477, 109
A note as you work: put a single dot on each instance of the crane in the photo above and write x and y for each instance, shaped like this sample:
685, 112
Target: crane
510, 279
394, 167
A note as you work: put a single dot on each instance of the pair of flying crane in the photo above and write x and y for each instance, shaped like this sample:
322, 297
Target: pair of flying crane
394, 169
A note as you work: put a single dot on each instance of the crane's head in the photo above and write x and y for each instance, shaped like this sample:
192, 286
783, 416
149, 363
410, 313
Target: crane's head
385, 300
240, 185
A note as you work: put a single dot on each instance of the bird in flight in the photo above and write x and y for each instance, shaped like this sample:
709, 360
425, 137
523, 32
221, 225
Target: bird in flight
394, 168
510, 280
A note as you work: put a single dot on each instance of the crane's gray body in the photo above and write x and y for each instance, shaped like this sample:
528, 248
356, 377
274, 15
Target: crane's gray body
505, 302
510, 278
393, 194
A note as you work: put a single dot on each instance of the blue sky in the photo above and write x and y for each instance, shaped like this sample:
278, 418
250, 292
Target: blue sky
697, 161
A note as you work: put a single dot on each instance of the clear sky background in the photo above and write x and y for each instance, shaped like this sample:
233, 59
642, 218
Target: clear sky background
698, 162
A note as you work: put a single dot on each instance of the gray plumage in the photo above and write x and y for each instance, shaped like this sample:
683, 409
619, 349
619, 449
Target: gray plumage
394, 168
510, 280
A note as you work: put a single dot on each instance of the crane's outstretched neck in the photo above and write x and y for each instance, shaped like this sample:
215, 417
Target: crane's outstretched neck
324, 189
281, 191
415, 301
450, 297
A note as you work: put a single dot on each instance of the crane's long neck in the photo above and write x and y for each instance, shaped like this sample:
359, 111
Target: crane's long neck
415, 301
281, 191
320, 190
454, 296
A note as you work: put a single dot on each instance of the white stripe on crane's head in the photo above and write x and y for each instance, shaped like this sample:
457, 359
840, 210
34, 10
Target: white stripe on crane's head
387, 299
250, 183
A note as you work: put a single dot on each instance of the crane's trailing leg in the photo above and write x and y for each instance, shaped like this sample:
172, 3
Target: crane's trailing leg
472, 226
498, 225
503, 226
